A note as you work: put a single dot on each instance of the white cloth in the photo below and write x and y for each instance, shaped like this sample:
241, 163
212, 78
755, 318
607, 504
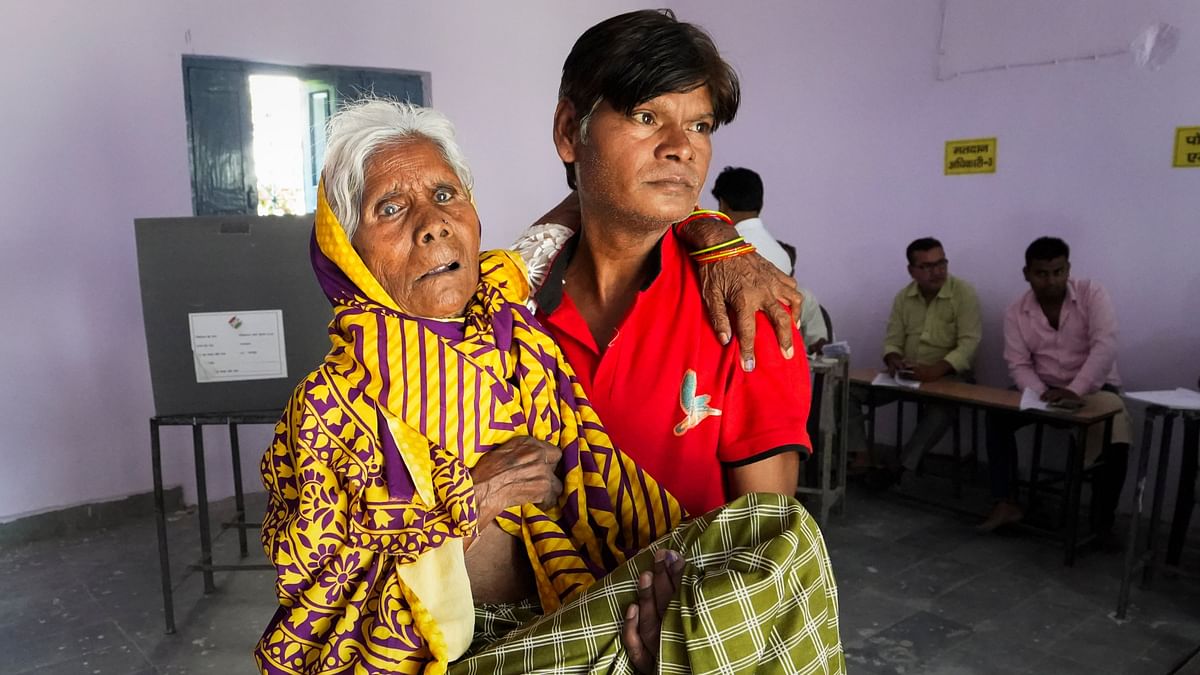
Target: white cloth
756, 233
538, 246
812, 324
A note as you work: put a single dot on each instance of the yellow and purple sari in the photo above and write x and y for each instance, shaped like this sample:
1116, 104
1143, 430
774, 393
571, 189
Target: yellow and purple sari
369, 484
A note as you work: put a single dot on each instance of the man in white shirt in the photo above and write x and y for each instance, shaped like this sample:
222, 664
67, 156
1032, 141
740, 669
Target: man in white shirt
739, 194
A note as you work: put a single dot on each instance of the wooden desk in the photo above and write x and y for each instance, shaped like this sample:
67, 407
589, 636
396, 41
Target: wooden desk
983, 396
979, 396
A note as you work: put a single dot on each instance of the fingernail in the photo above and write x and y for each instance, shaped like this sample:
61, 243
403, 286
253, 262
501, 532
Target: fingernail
672, 557
723, 338
631, 612
789, 352
645, 580
661, 555
748, 365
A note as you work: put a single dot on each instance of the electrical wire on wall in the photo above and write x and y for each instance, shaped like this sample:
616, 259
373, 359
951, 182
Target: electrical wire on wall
1150, 49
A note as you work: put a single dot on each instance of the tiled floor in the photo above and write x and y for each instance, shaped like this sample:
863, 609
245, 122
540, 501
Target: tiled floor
920, 593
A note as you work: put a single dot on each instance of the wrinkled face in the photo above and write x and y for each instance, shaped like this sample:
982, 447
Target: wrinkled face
929, 269
418, 232
1048, 278
650, 165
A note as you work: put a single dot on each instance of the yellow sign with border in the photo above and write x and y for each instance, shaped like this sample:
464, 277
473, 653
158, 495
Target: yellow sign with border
1187, 147
970, 155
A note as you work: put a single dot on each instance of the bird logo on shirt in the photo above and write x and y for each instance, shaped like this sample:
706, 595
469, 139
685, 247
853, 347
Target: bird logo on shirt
695, 408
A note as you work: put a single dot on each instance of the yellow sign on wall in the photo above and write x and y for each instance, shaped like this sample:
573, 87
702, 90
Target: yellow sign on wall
971, 155
1187, 147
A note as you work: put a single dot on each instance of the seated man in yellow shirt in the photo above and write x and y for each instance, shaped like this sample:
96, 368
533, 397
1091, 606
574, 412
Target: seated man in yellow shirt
932, 333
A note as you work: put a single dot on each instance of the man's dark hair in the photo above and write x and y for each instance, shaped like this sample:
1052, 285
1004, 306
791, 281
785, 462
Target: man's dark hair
922, 244
635, 57
791, 251
742, 189
1047, 248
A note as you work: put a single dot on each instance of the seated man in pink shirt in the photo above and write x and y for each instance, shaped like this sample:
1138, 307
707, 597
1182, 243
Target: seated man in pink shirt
1060, 340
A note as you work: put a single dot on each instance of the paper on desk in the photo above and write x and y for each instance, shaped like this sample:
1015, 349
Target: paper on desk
1179, 399
885, 380
1031, 400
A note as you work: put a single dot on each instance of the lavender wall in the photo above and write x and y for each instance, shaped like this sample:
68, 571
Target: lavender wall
842, 116
847, 126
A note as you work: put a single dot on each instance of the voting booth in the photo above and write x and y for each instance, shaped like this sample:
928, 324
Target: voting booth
233, 313
234, 319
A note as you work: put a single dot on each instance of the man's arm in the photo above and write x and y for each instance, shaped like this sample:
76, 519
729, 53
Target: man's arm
1018, 355
812, 324
969, 329
893, 340
1102, 342
764, 433
779, 473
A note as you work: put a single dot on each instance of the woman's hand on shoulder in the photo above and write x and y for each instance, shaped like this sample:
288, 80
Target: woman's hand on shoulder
523, 470
736, 289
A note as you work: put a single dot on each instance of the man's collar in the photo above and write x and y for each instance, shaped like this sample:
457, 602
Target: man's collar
914, 291
1031, 303
944, 291
549, 296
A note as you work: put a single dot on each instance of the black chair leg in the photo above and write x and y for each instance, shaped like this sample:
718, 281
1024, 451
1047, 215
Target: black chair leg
1035, 465
1185, 495
958, 462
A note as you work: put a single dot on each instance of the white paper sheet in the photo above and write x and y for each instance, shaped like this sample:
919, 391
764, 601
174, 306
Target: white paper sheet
1179, 399
232, 346
1031, 400
885, 380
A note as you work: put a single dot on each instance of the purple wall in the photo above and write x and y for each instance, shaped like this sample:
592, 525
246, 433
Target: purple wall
842, 116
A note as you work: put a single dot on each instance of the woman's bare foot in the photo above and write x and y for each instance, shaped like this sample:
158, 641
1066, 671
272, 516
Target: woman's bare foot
1003, 513
643, 619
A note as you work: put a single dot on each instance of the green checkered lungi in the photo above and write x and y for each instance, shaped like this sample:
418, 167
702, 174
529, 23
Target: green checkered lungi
757, 596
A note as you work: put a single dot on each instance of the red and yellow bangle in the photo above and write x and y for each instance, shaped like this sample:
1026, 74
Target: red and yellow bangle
718, 247
725, 253
703, 214
726, 249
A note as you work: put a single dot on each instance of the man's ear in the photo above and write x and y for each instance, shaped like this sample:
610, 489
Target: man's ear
566, 130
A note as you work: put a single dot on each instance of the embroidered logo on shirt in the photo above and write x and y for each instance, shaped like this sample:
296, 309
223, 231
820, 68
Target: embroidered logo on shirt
695, 408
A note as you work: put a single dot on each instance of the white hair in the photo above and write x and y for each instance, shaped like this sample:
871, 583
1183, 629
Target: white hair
359, 129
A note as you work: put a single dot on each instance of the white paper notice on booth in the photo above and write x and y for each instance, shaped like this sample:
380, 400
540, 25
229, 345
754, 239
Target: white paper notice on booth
238, 345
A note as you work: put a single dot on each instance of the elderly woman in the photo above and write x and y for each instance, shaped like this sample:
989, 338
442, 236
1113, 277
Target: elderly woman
443, 496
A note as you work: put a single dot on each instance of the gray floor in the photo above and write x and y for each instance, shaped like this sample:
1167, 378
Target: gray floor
920, 593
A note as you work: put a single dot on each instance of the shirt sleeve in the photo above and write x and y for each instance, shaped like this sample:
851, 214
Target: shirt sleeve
894, 340
812, 324
538, 246
1017, 353
1102, 342
766, 408
969, 325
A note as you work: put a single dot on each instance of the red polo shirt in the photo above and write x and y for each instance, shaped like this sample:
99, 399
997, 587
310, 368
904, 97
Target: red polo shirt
670, 395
